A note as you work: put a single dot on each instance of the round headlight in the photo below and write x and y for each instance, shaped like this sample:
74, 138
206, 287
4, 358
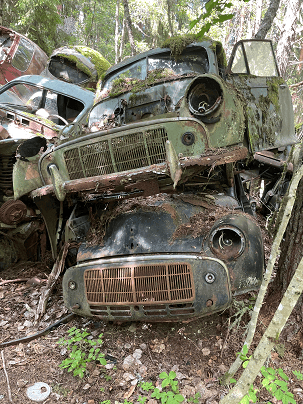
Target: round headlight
227, 242
204, 96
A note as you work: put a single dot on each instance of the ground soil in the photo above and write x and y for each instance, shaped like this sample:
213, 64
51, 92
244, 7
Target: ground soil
199, 352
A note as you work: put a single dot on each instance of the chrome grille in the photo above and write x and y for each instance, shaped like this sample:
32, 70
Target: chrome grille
117, 154
163, 283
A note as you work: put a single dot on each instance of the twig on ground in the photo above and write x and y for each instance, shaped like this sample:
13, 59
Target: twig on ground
52, 279
7, 379
227, 334
14, 280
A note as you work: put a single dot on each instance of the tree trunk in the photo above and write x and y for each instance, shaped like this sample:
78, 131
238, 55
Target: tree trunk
128, 23
268, 19
169, 17
258, 15
1, 11
291, 247
288, 31
122, 40
117, 32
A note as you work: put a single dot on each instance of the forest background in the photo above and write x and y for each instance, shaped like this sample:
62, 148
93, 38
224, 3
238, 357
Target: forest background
118, 29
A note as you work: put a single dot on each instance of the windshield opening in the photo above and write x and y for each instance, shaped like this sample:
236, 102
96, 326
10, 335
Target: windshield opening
32, 99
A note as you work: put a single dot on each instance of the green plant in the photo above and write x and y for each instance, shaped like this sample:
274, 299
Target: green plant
82, 351
102, 389
105, 402
274, 381
168, 380
167, 397
194, 399
278, 387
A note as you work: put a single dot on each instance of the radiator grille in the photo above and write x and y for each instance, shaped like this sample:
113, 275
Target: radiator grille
6, 171
117, 154
162, 283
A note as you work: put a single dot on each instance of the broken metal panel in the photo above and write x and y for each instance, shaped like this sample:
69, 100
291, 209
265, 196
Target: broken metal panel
19, 56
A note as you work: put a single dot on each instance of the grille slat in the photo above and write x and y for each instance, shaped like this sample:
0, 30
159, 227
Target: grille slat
117, 154
163, 283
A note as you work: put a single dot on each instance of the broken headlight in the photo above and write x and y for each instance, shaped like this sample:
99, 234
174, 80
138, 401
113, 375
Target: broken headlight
227, 242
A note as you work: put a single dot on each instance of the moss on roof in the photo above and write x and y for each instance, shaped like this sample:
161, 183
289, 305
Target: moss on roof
101, 64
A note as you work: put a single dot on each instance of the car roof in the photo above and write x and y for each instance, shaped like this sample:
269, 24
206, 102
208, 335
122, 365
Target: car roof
206, 44
71, 90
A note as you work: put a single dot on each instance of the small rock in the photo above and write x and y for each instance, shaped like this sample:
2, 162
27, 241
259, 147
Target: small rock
188, 391
180, 376
109, 366
205, 393
128, 377
127, 346
3, 322
91, 402
143, 347
152, 401
128, 362
143, 371
157, 346
22, 382
206, 351
144, 327
86, 387
134, 382
132, 328
63, 351
137, 354
96, 372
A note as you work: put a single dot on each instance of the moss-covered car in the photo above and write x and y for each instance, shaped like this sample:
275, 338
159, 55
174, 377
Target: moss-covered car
79, 65
155, 197
38, 110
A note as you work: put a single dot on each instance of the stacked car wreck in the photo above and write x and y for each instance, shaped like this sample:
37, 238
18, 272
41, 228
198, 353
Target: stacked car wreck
37, 110
153, 197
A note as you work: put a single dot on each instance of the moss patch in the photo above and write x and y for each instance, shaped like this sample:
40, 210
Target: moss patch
81, 66
177, 44
123, 85
101, 64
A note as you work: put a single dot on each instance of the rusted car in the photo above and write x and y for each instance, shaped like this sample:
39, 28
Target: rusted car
154, 196
38, 110
19, 56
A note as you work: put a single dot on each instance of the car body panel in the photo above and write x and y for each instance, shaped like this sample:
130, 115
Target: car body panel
19, 56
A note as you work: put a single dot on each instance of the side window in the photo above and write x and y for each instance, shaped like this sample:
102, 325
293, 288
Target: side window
239, 65
260, 58
23, 55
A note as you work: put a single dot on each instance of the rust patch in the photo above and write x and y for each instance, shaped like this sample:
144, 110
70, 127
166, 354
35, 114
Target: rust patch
31, 171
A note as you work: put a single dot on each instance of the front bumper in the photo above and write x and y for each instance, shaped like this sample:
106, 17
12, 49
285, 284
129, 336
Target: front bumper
168, 287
